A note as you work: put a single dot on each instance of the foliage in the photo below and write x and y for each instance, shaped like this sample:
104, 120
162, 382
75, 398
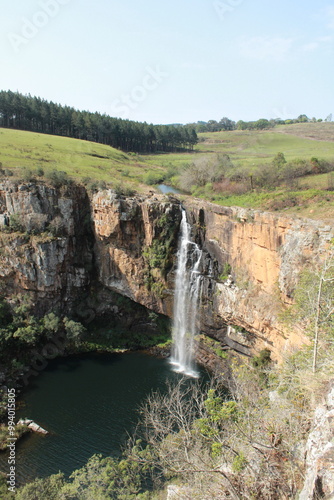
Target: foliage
151, 178
233, 446
5, 313
18, 432
225, 272
21, 331
16, 223
57, 178
279, 160
48, 488
101, 479
262, 360
74, 330
204, 170
260, 124
51, 324
214, 126
158, 256
315, 303
4, 493
123, 190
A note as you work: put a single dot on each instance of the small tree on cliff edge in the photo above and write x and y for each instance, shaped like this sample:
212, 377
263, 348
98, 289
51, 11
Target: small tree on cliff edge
315, 302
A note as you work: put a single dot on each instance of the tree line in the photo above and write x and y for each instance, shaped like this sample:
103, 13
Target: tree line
261, 124
34, 114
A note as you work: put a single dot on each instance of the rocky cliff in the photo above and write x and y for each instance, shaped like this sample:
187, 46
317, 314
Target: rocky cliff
46, 243
135, 247
252, 264
65, 242
319, 452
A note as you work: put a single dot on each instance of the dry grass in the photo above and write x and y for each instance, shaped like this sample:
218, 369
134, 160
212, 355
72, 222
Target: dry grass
323, 131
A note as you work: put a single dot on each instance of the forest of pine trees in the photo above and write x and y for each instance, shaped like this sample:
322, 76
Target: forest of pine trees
34, 114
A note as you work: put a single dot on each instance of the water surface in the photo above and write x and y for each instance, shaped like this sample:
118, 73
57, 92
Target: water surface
89, 405
168, 189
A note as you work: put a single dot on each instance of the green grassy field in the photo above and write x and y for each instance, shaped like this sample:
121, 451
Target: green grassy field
246, 147
21, 150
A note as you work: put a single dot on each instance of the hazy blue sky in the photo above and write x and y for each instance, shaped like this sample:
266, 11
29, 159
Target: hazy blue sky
173, 61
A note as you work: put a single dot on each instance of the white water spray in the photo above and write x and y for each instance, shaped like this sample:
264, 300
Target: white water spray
186, 301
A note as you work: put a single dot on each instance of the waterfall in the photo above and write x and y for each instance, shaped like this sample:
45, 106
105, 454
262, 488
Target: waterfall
186, 301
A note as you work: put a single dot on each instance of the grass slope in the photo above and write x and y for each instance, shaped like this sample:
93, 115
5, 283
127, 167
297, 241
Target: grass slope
28, 150
252, 147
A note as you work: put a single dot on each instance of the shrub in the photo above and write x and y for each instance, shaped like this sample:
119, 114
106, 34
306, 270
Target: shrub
57, 178
228, 187
262, 360
152, 178
122, 190
27, 175
57, 226
226, 271
16, 223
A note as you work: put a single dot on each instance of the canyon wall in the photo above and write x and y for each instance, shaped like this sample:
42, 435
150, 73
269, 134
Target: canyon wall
253, 261
68, 247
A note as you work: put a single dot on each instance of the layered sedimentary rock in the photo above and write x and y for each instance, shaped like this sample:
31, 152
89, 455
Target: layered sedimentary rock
253, 263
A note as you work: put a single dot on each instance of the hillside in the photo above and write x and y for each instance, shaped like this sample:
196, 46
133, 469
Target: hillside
251, 147
21, 152
249, 178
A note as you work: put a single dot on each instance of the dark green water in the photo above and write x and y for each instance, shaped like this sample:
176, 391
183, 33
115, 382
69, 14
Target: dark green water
88, 404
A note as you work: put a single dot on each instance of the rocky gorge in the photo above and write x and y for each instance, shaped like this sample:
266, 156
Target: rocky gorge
250, 268
72, 251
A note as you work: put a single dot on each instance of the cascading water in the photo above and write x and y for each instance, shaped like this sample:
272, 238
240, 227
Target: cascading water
186, 300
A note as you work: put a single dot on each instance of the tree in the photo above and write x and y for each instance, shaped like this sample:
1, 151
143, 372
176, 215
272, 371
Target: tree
49, 488
74, 330
227, 124
51, 324
223, 446
279, 160
38, 115
315, 303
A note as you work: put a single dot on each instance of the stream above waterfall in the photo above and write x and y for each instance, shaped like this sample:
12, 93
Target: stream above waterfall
89, 404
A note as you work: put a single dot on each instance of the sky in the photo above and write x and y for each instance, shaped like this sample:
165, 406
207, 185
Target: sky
175, 61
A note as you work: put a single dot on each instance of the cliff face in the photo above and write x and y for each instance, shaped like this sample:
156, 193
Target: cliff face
319, 451
66, 243
135, 246
50, 255
263, 254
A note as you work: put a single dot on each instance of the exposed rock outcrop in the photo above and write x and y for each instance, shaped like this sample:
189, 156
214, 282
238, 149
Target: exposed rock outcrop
264, 254
135, 246
319, 477
50, 256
